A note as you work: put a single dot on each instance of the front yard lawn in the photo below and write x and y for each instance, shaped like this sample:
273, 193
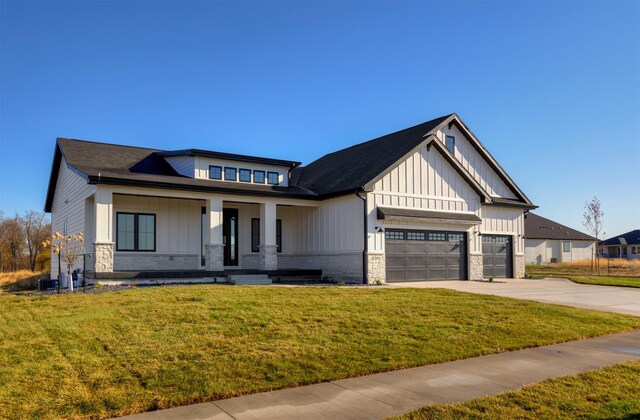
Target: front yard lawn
609, 393
606, 281
111, 354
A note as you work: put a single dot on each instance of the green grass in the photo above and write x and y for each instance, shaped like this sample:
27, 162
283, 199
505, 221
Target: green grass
609, 393
606, 281
80, 356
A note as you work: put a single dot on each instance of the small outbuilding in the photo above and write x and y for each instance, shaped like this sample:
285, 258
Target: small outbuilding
626, 246
546, 241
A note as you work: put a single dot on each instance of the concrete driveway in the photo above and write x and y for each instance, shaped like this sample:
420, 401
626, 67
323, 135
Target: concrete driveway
624, 300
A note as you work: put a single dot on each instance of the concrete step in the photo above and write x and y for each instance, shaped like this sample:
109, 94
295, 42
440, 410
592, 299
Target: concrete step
249, 279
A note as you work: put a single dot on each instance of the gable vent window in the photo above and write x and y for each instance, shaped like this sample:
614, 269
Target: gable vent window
450, 142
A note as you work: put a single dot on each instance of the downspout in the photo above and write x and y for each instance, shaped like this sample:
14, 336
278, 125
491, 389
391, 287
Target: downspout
365, 273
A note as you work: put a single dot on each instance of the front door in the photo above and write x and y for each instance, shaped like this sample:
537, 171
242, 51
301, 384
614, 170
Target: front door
230, 236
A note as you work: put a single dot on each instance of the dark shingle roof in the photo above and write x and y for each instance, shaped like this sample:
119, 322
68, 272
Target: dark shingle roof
351, 168
538, 227
631, 238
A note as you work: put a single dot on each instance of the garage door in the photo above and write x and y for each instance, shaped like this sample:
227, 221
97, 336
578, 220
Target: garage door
416, 255
496, 256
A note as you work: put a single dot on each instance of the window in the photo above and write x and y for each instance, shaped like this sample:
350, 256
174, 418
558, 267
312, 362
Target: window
456, 236
416, 236
450, 142
135, 232
272, 178
258, 177
502, 239
230, 174
215, 172
635, 249
394, 234
245, 175
566, 246
437, 236
487, 239
255, 235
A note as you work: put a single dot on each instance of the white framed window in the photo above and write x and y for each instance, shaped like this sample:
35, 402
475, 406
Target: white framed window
566, 246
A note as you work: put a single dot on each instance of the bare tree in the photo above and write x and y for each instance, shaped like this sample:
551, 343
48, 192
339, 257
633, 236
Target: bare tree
593, 219
36, 230
13, 241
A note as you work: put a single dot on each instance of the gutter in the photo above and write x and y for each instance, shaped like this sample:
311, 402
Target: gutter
365, 246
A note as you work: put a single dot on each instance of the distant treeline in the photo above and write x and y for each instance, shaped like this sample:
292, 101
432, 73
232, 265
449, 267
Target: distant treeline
21, 239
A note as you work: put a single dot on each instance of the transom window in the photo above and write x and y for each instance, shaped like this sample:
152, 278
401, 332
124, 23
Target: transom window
258, 177
437, 236
215, 172
245, 175
272, 178
450, 143
230, 174
135, 232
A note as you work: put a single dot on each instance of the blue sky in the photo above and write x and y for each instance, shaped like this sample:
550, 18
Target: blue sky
551, 88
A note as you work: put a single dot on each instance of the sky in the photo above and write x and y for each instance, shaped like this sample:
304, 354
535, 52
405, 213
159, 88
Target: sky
552, 89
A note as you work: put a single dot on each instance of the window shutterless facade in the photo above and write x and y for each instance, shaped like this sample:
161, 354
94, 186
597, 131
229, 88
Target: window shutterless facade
245, 175
255, 235
272, 178
258, 177
230, 174
215, 172
135, 232
450, 142
566, 246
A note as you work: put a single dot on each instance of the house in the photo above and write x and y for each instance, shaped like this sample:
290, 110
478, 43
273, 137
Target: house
626, 245
427, 202
546, 241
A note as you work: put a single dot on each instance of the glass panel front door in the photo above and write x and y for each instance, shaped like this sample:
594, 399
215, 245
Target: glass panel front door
230, 236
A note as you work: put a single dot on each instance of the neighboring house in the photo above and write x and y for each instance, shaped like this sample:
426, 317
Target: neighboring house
626, 245
427, 202
546, 241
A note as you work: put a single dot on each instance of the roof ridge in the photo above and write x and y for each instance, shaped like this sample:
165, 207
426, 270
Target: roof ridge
107, 144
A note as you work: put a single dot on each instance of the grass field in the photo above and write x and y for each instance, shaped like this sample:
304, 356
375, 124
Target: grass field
19, 280
622, 272
97, 356
609, 393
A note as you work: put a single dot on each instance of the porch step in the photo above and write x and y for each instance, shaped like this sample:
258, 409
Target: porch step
249, 279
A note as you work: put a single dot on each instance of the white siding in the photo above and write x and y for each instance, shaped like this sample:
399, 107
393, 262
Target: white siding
503, 221
178, 230
476, 165
540, 251
69, 206
184, 165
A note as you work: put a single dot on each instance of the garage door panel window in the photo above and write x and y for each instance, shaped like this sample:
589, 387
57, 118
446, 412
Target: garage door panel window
394, 235
416, 236
437, 236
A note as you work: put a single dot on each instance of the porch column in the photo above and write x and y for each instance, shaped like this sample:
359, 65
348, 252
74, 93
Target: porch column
214, 246
103, 245
268, 245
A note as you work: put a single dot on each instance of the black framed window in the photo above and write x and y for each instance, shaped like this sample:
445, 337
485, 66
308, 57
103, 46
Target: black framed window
394, 234
255, 235
258, 177
245, 175
135, 232
230, 174
456, 236
450, 142
272, 178
215, 172
437, 236
416, 236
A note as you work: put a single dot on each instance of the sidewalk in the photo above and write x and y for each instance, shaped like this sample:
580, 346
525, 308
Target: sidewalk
385, 394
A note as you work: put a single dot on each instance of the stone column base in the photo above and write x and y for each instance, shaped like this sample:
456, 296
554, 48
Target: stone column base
268, 257
103, 257
376, 268
518, 269
214, 258
476, 267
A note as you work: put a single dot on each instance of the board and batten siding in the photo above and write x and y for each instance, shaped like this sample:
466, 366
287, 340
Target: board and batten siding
178, 232
69, 206
503, 221
424, 181
475, 164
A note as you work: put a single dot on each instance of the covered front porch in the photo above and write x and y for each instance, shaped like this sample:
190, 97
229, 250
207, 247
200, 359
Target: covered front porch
135, 233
